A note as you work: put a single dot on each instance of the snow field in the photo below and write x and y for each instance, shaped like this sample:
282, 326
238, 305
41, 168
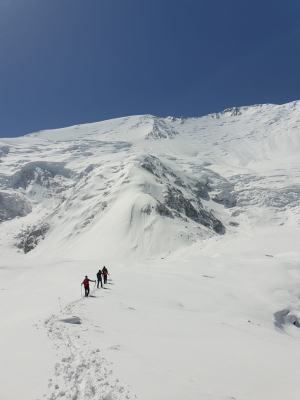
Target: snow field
160, 329
196, 219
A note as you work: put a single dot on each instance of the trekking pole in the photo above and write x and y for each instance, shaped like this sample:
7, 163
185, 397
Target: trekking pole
60, 304
81, 290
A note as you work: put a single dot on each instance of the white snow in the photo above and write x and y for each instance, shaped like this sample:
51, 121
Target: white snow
197, 221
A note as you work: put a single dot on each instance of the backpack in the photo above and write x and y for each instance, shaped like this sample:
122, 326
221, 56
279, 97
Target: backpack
86, 282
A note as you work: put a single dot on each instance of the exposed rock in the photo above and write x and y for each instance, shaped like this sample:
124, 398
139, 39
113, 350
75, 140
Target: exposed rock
32, 236
175, 200
149, 166
201, 189
163, 210
147, 209
156, 167
231, 223
185, 202
161, 130
235, 111
207, 219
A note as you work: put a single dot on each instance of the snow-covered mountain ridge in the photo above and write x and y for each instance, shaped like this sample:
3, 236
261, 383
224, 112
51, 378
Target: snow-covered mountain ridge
125, 182
197, 220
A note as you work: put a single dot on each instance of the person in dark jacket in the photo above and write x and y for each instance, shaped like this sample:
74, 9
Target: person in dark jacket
105, 273
86, 284
99, 278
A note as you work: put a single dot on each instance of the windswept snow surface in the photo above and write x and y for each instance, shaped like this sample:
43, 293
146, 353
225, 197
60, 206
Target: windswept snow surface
197, 221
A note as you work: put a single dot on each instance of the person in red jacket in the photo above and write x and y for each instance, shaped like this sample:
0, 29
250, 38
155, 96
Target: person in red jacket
105, 273
86, 284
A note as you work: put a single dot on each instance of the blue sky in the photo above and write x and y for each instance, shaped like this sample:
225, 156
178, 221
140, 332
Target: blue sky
66, 62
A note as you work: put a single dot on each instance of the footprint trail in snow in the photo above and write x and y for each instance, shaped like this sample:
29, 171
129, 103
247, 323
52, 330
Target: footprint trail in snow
82, 372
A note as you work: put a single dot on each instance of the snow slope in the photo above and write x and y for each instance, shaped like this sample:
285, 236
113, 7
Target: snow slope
197, 220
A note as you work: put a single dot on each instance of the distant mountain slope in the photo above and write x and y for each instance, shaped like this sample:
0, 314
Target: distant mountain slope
144, 186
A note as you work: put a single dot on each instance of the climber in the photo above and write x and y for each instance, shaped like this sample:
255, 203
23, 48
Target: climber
99, 278
86, 285
105, 273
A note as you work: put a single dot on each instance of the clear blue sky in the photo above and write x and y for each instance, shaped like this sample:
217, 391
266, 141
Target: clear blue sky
66, 62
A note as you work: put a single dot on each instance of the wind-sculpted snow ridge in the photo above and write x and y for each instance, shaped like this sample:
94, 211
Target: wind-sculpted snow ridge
284, 319
235, 111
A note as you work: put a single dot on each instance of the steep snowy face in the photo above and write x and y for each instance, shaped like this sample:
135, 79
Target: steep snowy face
144, 186
124, 206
